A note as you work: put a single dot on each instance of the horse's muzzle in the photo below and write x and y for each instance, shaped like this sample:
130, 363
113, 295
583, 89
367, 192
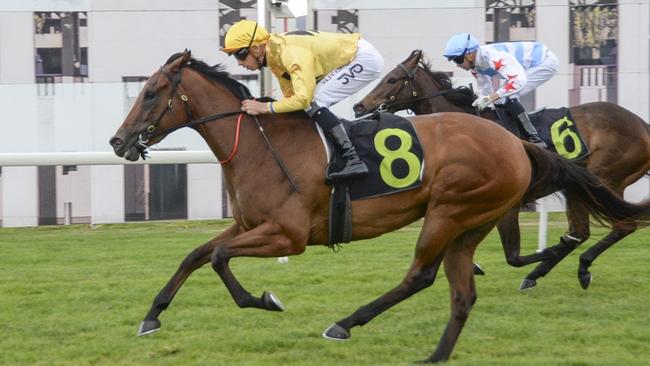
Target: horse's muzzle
359, 110
128, 151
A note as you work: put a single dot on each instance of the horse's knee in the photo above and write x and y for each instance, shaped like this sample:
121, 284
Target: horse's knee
424, 279
218, 259
462, 304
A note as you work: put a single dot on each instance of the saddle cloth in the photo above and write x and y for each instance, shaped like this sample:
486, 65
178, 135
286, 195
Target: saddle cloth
392, 151
556, 127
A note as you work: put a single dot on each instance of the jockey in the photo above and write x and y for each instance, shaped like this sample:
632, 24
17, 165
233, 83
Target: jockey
315, 70
522, 66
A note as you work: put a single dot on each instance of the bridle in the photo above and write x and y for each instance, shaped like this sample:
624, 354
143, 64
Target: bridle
151, 130
409, 79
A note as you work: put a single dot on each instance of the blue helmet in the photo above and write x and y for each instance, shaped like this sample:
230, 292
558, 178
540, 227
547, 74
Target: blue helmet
459, 45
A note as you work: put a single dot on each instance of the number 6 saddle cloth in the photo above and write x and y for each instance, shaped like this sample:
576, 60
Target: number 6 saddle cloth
392, 151
556, 127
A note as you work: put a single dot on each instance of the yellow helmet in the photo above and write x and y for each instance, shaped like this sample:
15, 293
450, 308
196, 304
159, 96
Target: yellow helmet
242, 34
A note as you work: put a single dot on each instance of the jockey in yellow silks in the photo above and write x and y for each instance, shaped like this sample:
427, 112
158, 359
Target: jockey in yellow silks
315, 70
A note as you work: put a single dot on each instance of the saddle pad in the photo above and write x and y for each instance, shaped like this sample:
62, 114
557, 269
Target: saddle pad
558, 129
392, 151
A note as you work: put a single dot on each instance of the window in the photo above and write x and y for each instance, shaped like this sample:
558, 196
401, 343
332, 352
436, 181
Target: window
61, 51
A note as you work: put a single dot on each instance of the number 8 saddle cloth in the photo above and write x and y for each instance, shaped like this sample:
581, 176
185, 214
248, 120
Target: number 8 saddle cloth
390, 148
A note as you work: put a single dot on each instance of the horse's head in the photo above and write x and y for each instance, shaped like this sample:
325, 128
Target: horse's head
152, 114
395, 91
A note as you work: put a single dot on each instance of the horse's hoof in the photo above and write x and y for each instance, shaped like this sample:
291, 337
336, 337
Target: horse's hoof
585, 280
428, 361
148, 327
271, 302
478, 270
336, 332
527, 284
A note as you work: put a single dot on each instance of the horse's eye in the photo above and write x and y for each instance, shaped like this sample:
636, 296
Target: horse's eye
391, 81
149, 94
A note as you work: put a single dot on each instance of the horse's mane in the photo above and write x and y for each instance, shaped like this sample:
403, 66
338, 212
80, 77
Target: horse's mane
216, 73
461, 96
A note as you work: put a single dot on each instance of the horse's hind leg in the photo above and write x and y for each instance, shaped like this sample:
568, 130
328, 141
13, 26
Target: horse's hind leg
197, 258
578, 217
429, 252
457, 261
510, 235
619, 232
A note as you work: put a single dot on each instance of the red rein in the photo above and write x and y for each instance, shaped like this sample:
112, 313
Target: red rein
234, 148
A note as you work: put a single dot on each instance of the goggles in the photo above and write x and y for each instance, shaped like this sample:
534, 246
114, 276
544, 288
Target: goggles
242, 53
457, 59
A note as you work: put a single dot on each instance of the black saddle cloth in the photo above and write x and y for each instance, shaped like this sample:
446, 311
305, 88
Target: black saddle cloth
392, 151
555, 126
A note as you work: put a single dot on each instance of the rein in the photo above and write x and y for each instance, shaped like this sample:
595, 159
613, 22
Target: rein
151, 132
409, 79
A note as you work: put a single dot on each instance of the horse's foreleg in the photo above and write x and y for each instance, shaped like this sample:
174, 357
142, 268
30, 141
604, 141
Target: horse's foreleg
463, 296
197, 258
589, 256
429, 252
265, 240
510, 235
578, 217
458, 259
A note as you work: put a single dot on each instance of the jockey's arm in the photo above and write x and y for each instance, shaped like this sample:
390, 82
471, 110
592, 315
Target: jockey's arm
297, 92
483, 83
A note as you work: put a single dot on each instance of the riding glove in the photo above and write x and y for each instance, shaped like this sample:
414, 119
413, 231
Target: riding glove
482, 102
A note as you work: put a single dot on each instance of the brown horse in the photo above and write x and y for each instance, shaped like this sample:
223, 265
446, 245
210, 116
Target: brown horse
618, 139
468, 184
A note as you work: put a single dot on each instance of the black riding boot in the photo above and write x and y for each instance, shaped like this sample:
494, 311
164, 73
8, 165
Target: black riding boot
335, 130
533, 137
517, 110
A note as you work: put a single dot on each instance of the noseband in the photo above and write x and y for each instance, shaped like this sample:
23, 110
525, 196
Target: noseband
409, 80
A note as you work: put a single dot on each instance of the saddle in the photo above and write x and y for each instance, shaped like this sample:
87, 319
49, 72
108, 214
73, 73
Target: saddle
555, 126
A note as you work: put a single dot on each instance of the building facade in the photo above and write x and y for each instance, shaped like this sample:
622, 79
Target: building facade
70, 71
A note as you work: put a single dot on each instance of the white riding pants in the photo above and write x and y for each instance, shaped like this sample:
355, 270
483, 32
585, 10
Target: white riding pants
538, 75
349, 79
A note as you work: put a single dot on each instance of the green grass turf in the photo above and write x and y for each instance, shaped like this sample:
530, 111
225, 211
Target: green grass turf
75, 295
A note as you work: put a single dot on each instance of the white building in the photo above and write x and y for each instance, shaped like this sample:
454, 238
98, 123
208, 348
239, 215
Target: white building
69, 71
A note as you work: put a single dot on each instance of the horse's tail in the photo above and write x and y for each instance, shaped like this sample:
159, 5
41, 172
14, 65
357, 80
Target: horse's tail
553, 173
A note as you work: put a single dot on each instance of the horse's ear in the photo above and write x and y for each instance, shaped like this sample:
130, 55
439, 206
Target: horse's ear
181, 61
414, 57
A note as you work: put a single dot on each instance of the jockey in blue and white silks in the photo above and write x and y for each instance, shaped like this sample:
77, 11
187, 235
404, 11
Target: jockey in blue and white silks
523, 65
519, 66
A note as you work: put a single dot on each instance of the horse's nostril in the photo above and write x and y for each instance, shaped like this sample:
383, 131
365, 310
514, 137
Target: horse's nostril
116, 142
358, 107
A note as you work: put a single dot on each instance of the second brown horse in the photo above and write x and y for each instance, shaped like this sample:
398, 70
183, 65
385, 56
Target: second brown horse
618, 139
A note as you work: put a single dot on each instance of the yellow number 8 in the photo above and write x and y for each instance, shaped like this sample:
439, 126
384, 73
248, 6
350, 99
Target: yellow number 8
385, 167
